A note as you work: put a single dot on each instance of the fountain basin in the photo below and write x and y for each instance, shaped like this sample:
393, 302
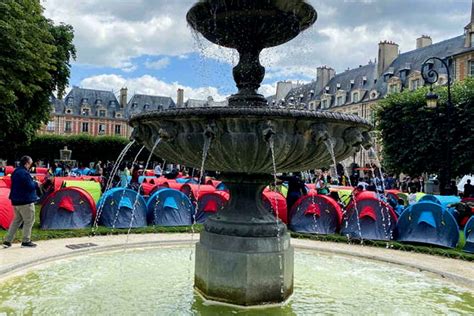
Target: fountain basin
249, 23
147, 281
240, 137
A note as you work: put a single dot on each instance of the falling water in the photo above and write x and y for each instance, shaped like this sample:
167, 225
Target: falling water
389, 234
117, 213
330, 146
110, 182
271, 144
158, 140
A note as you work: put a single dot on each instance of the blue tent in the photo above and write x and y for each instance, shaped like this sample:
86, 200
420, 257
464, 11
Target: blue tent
169, 207
369, 218
116, 207
186, 180
67, 208
469, 234
317, 214
428, 223
443, 200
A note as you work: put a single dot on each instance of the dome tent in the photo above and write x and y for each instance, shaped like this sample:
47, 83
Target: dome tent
169, 207
275, 201
369, 218
469, 234
428, 223
6, 209
67, 208
208, 204
317, 214
92, 187
117, 205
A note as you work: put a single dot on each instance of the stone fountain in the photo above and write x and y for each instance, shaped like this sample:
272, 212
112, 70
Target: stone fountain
244, 256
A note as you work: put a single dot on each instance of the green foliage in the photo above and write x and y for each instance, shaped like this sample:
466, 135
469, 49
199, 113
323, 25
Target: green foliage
34, 62
85, 148
414, 138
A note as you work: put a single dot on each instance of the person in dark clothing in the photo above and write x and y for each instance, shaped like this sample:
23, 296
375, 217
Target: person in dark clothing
296, 188
23, 196
468, 189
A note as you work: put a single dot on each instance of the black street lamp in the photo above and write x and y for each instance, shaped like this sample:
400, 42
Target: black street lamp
431, 76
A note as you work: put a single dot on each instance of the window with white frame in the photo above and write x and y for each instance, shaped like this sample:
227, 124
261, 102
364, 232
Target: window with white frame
355, 97
340, 100
85, 127
415, 84
101, 129
68, 126
51, 126
324, 104
393, 88
102, 113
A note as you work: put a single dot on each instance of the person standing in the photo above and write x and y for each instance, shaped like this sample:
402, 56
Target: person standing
158, 170
23, 197
468, 189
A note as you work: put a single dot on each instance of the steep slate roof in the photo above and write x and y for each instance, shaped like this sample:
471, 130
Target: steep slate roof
141, 102
94, 99
413, 60
361, 78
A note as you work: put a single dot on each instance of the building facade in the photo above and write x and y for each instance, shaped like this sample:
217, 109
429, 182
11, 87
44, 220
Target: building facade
357, 91
87, 111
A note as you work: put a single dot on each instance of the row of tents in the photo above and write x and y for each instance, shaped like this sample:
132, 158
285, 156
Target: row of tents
75, 203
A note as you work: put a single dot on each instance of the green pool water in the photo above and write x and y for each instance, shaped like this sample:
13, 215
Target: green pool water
159, 281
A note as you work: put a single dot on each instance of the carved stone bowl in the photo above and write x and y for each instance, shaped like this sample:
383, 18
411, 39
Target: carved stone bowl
250, 23
240, 137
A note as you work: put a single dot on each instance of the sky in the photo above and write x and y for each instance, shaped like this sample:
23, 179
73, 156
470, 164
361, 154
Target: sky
147, 46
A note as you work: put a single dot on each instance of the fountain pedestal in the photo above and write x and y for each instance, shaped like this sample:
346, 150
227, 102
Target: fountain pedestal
244, 256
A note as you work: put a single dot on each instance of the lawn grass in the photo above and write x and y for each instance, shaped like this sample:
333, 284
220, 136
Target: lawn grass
38, 234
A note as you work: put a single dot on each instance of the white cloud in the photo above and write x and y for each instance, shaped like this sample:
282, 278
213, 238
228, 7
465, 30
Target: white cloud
112, 33
148, 85
158, 64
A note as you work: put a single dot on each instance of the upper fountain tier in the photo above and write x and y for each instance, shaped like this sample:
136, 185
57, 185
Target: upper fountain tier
251, 24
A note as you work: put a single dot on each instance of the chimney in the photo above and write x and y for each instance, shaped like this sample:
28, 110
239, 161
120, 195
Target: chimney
469, 30
324, 75
180, 98
388, 52
123, 97
423, 41
283, 88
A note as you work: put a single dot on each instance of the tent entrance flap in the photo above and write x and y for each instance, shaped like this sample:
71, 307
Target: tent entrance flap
428, 218
67, 204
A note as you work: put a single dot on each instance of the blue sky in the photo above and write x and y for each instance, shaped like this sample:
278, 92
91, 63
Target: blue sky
146, 45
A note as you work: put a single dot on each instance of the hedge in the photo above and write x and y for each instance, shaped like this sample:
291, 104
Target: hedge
85, 148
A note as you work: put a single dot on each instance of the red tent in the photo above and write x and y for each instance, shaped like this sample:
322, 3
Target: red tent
40, 170
7, 181
9, 170
6, 209
275, 201
191, 190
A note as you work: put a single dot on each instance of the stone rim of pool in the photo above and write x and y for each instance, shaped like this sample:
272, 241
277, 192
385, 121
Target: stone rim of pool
18, 261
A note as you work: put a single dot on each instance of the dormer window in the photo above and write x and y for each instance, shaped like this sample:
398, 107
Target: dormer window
415, 84
98, 102
85, 111
327, 89
84, 101
112, 104
70, 101
159, 107
102, 113
68, 111
393, 88
118, 115
146, 107
352, 83
340, 100
364, 79
325, 104
373, 95
338, 86
134, 105
355, 97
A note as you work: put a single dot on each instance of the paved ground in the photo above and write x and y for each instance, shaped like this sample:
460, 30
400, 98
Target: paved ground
16, 259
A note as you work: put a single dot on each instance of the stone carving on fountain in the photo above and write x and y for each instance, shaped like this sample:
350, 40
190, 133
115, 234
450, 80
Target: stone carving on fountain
244, 255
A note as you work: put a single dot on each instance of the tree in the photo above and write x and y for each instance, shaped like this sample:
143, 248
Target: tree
414, 138
34, 62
